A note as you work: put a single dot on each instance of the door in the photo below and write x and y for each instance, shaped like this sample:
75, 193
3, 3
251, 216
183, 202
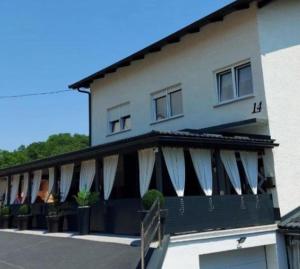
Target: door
249, 258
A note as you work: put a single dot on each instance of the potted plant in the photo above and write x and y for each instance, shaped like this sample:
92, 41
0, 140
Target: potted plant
147, 201
54, 218
5, 217
24, 218
84, 200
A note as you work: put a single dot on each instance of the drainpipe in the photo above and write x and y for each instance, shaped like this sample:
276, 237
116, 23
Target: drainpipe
90, 113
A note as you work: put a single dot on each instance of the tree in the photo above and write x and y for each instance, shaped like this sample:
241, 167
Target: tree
54, 145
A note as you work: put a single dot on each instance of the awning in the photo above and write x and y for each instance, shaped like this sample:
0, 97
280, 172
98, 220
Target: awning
182, 139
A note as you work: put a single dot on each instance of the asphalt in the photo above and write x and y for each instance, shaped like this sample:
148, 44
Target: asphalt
22, 251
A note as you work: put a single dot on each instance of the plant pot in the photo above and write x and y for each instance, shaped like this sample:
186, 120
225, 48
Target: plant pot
83, 220
5, 222
24, 222
54, 224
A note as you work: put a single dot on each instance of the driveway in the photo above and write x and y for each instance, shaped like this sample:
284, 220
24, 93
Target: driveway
22, 251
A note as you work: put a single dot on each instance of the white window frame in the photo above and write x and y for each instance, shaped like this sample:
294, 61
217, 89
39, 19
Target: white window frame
120, 118
166, 93
233, 68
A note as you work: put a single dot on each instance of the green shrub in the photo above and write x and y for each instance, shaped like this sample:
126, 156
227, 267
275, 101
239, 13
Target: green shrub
53, 209
86, 198
150, 197
24, 210
5, 211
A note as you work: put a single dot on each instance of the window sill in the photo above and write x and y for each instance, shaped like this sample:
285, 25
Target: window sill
120, 132
167, 119
234, 100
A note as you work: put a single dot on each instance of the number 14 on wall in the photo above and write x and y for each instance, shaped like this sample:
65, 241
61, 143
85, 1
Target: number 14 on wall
257, 107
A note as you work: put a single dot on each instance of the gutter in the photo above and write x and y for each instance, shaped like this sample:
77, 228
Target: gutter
90, 113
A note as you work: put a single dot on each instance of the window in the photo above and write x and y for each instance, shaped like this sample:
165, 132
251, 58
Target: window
167, 103
119, 118
234, 82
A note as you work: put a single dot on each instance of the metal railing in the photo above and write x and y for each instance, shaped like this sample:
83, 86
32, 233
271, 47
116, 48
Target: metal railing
150, 226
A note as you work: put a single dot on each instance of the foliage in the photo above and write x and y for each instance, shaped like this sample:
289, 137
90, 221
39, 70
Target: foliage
5, 211
55, 145
54, 207
86, 198
24, 210
150, 197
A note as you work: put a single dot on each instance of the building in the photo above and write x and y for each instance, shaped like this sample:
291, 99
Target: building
195, 115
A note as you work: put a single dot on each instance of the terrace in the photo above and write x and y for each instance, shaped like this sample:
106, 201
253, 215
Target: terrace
209, 181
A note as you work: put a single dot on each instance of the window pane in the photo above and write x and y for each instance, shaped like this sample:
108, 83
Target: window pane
161, 108
244, 80
225, 86
126, 122
176, 103
115, 126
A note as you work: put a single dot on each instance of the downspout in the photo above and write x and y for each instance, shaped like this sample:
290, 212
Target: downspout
90, 113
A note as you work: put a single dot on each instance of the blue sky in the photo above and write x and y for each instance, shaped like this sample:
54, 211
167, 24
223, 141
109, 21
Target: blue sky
47, 45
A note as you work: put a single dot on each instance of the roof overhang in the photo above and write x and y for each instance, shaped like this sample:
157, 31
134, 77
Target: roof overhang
152, 139
173, 38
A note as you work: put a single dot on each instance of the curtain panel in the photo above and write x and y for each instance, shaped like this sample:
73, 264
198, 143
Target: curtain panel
24, 189
201, 159
65, 180
36, 182
51, 179
3, 187
146, 165
250, 164
229, 160
174, 158
268, 163
87, 175
110, 165
15, 182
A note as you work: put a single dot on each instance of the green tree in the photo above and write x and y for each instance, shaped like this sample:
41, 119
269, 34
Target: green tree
54, 145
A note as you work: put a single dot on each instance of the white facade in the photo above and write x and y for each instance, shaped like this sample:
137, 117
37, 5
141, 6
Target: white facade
191, 63
262, 248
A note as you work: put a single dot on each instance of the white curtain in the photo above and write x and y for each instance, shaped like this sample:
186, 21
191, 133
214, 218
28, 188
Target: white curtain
174, 158
110, 165
87, 174
36, 182
250, 163
66, 172
15, 181
51, 179
24, 187
268, 163
3, 187
229, 161
146, 165
201, 159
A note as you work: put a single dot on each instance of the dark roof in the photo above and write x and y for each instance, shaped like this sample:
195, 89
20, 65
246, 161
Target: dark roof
152, 139
173, 38
291, 222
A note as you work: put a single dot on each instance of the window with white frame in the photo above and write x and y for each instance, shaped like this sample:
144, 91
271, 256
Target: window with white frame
234, 82
167, 103
119, 118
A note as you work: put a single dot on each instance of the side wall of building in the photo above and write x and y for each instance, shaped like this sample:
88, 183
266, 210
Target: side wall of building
279, 34
192, 63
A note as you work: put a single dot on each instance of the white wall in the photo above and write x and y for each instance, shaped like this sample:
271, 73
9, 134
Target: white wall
190, 62
279, 32
186, 254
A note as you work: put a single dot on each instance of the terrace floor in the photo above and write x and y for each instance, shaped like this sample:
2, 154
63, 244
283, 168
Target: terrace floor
21, 250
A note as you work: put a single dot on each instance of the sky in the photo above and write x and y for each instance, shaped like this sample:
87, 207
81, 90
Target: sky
47, 45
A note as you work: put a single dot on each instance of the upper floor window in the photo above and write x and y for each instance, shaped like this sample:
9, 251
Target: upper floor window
234, 82
119, 118
167, 103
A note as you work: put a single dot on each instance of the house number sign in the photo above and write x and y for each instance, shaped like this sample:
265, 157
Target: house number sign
257, 108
